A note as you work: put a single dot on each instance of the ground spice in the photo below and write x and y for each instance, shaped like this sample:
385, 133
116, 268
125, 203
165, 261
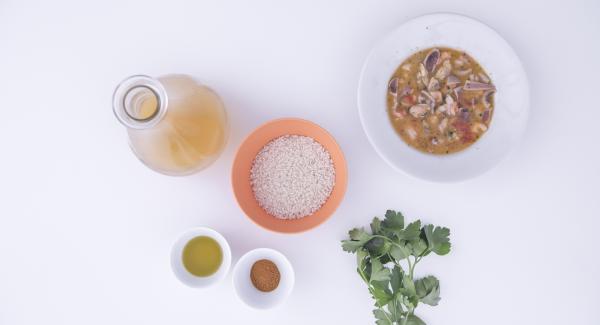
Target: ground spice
265, 275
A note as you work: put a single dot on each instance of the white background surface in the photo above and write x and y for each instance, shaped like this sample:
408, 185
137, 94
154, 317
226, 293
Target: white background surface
86, 230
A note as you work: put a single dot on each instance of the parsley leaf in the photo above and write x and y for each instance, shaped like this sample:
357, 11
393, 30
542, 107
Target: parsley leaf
399, 252
414, 320
417, 247
376, 226
411, 232
396, 278
351, 246
378, 272
378, 246
382, 297
358, 234
408, 289
438, 239
382, 316
358, 237
393, 220
428, 290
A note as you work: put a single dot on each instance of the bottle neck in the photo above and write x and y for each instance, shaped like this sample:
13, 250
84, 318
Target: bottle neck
140, 102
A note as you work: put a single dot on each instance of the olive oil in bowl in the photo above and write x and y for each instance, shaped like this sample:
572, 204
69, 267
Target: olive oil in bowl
202, 256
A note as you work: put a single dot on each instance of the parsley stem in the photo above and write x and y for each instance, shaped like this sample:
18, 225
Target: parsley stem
362, 273
412, 269
387, 239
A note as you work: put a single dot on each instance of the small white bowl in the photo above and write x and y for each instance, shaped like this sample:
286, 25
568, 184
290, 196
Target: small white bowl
177, 262
496, 57
246, 291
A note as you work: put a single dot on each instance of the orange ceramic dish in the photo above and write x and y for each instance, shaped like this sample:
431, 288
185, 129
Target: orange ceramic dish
240, 174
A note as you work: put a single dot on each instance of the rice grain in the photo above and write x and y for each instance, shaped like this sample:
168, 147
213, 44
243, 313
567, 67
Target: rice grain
292, 176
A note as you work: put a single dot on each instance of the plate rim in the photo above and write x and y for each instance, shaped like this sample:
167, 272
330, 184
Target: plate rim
380, 152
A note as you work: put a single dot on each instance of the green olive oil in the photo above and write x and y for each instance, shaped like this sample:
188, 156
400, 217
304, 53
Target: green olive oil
202, 256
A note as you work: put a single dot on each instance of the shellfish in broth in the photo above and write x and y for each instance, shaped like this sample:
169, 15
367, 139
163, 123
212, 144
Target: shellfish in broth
440, 100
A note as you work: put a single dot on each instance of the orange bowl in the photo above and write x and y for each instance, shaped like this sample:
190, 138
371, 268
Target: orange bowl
240, 174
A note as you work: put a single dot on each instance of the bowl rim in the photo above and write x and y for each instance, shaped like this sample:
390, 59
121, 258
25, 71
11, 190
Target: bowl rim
392, 161
340, 187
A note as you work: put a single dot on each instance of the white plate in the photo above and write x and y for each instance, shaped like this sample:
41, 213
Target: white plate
246, 291
177, 262
496, 57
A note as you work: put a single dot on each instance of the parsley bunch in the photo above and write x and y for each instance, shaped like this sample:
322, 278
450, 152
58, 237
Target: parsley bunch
379, 254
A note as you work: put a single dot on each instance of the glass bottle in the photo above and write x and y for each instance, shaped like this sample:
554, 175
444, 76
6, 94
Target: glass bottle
176, 126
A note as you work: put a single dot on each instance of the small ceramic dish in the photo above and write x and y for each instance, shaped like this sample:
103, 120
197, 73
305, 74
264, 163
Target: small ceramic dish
493, 53
177, 262
240, 174
246, 291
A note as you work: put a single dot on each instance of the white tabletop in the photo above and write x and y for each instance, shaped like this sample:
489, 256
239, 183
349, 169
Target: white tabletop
86, 229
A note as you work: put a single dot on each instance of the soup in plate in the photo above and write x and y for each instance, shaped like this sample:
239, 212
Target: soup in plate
440, 100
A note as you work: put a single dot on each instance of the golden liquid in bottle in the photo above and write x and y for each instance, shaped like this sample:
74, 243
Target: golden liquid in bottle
147, 107
190, 135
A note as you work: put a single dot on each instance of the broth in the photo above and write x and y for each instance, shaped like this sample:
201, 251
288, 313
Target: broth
191, 134
440, 100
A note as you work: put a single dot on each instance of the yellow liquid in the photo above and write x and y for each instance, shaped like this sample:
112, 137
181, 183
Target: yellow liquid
202, 256
147, 108
191, 134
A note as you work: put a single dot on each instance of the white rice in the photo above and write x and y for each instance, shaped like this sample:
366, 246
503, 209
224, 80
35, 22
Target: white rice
292, 176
